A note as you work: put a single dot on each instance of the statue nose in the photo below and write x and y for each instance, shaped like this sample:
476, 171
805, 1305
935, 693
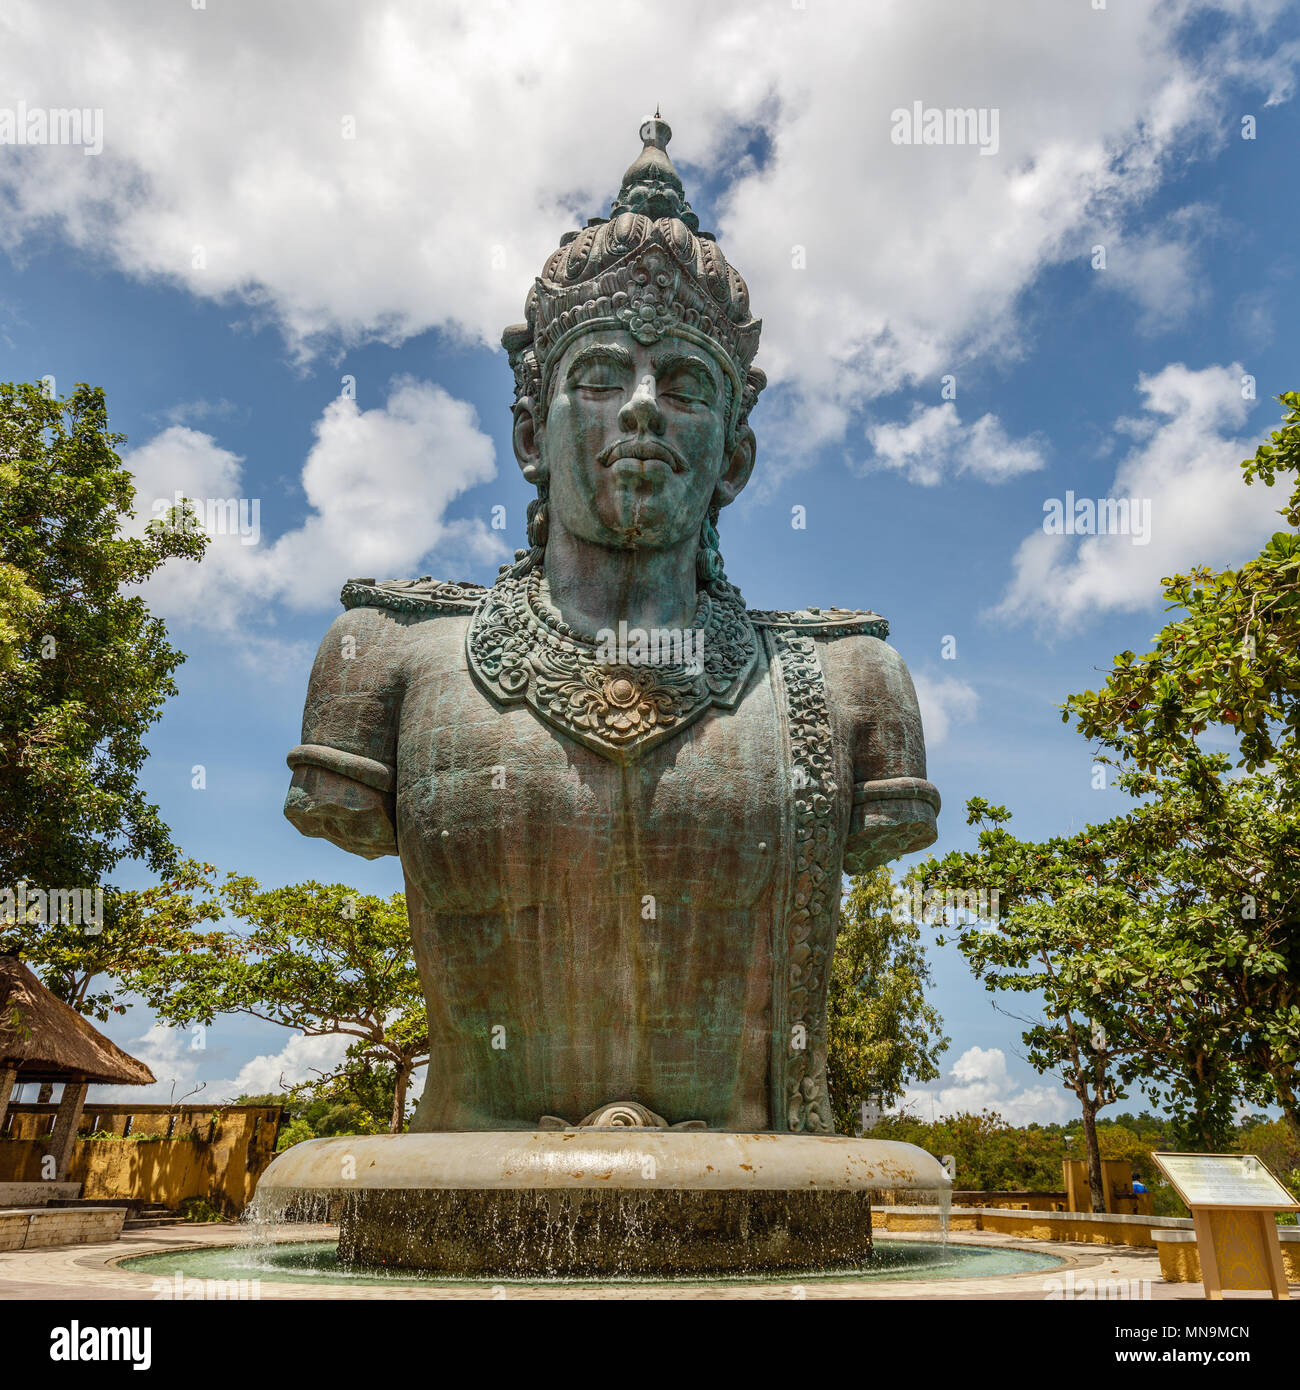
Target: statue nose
642, 413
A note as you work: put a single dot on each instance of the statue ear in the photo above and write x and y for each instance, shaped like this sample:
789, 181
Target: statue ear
738, 468
527, 446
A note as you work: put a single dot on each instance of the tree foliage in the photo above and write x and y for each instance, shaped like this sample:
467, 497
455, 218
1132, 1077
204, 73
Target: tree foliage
355, 1100
90, 967
319, 958
1228, 667
881, 1032
1044, 943
1231, 661
993, 1155
1164, 944
84, 667
1133, 942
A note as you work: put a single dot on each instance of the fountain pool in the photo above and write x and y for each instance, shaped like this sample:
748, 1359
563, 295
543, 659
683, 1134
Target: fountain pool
317, 1262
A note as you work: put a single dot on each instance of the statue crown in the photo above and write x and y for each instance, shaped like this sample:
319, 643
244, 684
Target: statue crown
646, 268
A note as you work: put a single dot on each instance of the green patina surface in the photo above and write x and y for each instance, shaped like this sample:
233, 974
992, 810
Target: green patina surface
622, 852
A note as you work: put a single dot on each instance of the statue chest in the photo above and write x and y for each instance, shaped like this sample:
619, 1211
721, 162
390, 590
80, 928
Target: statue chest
499, 811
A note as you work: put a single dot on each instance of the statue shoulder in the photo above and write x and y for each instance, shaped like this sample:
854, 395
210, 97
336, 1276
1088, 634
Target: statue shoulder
367, 645
417, 598
873, 708
823, 622
867, 681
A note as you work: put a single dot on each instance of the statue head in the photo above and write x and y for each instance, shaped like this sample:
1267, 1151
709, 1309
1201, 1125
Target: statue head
633, 383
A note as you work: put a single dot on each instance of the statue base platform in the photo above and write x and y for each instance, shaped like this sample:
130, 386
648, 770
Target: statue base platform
596, 1202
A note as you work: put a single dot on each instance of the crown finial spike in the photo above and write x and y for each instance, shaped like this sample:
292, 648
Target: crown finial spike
655, 134
651, 185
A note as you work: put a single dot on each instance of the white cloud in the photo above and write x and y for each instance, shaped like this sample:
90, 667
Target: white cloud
176, 1057
934, 444
194, 412
1253, 318
378, 483
944, 702
1160, 269
175, 1063
226, 168
301, 1059
1186, 464
982, 1082
916, 255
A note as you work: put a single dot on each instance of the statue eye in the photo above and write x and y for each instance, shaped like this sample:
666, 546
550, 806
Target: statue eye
688, 392
684, 385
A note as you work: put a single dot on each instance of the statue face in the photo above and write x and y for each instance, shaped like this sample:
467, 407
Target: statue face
633, 440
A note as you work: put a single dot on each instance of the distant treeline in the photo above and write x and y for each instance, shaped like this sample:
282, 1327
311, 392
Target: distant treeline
995, 1156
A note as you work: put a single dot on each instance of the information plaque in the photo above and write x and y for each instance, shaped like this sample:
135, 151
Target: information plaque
1232, 1198
1225, 1180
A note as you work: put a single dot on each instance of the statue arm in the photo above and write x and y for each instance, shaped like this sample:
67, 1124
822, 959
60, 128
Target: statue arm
894, 805
345, 768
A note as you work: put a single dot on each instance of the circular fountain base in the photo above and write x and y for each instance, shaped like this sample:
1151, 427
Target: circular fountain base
585, 1233
578, 1203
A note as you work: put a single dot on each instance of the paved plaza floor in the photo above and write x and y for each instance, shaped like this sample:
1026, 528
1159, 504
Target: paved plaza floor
90, 1272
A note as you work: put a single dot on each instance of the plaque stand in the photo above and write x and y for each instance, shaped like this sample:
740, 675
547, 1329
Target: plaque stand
1239, 1249
1236, 1238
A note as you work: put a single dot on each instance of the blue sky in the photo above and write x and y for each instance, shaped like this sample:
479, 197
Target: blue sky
396, 256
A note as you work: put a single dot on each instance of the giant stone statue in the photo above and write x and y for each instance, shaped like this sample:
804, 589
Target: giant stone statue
622, 800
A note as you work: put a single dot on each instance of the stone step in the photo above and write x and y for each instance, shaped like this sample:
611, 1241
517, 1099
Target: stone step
24, 1228
132, 1204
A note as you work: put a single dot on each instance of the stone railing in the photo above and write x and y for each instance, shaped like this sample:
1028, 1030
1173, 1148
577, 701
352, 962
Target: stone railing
1105, 1228
1020, 1201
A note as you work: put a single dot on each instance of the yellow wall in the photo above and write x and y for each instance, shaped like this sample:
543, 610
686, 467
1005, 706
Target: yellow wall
214, 1152
1180, 1261
1012, 1201
1116, 1181
1042, 1225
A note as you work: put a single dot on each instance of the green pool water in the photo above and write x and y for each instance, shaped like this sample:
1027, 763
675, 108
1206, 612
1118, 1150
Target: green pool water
316, 1262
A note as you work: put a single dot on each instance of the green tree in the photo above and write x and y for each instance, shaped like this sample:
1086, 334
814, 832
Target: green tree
89, 967
1211, 857
991, 1155
20, 607
1143, 965
994, 1156
1275, 1144
356, 1100
881, 1032
1232, 660
1034, 947
321, 959
84, 668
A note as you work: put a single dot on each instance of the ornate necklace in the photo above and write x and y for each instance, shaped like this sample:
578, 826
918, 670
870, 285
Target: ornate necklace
520, 649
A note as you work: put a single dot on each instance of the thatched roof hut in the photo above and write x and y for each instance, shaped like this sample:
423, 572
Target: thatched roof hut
43, 1039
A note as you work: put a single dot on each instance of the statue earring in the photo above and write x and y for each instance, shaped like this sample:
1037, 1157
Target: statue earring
708, 562
538, 525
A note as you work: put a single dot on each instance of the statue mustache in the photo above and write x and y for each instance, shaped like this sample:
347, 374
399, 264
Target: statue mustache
642, 447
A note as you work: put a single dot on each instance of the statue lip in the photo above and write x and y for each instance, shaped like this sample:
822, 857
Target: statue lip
644, 449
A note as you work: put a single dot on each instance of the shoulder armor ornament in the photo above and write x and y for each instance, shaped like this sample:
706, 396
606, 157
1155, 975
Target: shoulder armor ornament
419, 596
824, 622
430, 596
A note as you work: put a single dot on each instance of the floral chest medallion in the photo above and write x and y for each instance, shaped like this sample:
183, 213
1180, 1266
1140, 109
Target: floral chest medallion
617, 693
